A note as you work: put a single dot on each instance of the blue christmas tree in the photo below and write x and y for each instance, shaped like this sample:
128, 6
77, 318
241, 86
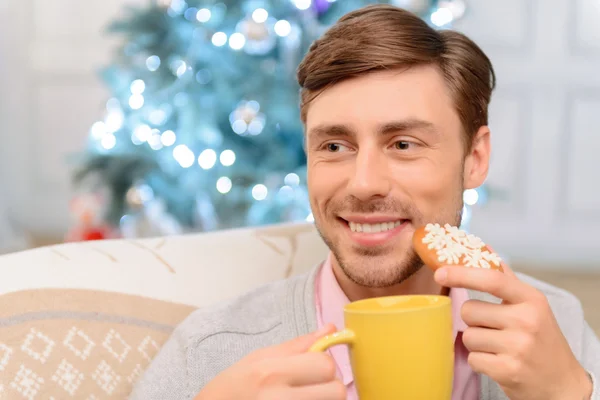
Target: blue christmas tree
205, 109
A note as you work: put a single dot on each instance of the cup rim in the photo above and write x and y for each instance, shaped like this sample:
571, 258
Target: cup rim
442, 301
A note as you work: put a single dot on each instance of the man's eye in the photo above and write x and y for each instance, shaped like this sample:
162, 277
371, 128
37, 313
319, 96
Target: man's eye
403, 145
335, 147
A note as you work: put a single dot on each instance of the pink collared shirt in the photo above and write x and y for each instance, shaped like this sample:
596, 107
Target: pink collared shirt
330, 301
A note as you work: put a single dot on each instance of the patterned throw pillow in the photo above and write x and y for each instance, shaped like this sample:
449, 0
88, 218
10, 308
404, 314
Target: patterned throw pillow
80, 344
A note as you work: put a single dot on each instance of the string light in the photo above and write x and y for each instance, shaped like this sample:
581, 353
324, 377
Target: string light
138, 86
442, 16
168, 138
181, 69
219, 39
142, 133
191, 13
136, 101
114, 120
303, 4
227, 158
239, 126
203, 76
135, 140
183, 155
260, 15
237, 41
108, 141
470, 197
98, 130
282, 28
154, 141
153, 63
224, 185
203, 15
292, 179
456, 7
207, 159
260, 192
178, 6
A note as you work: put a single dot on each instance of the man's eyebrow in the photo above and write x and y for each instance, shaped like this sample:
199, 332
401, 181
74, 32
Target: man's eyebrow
406, 126
331, 131
392, 127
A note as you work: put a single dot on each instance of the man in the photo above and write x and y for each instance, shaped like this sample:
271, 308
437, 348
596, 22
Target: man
396, 120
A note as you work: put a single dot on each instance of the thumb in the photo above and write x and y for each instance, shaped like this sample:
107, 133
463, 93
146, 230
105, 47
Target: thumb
303, 343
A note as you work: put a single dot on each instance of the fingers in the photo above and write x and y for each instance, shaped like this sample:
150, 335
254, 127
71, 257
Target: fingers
484, 314
484, 363
485, 340
334, 390
504, 286
300, 344
308, 369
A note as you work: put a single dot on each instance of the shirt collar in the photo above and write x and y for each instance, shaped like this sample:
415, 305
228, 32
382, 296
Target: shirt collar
331, 301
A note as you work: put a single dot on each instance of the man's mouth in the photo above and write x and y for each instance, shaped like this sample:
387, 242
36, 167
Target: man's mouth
376, 227
372, 230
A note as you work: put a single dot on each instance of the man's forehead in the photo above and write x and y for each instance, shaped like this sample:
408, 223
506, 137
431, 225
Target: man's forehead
384, 102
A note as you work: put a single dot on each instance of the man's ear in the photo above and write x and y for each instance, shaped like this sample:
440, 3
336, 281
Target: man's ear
477, 160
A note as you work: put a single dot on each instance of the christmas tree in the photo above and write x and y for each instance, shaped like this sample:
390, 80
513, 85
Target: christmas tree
204, 117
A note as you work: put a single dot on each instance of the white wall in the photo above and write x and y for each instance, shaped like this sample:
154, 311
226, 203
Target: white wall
543, 116
49, 55
546, 139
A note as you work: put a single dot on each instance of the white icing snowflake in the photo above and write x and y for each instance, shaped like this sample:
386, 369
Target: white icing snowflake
492, 257
454, 245
436, 241
435, 229
455, 232
451, 253
478, 259
472, 241
473, 258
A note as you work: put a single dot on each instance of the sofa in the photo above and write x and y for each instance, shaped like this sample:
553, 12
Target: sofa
83, 320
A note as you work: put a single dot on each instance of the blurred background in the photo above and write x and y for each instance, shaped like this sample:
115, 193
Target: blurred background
137, 118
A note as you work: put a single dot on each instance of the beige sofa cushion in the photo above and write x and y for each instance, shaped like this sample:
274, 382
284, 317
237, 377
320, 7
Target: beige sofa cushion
84, 320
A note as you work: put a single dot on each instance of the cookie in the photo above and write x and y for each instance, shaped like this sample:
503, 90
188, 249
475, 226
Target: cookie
448, 245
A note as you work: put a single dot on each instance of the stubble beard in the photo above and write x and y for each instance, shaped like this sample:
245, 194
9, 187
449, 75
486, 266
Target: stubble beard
376, 267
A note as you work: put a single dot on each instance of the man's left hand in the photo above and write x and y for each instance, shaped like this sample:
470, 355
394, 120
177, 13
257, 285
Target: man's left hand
517, 343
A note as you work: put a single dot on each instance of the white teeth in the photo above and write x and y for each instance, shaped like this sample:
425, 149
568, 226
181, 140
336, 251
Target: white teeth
374, 228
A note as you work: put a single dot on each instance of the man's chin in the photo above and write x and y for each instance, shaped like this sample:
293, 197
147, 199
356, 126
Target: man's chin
372, 251
379, 275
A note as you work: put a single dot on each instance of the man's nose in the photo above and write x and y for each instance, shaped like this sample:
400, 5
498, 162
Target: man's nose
371, 175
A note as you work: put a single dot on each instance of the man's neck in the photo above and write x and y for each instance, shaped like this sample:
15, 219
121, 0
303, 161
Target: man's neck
421, 282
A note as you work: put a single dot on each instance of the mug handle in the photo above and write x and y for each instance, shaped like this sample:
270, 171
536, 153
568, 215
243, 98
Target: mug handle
345, 336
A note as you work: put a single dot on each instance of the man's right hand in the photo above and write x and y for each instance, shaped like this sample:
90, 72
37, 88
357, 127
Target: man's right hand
285, 371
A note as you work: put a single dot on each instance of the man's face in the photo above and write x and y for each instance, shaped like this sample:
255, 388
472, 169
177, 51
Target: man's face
385, 155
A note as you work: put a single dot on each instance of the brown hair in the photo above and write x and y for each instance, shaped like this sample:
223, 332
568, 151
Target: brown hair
379, 37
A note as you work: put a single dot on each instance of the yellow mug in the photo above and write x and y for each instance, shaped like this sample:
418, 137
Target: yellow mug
401, 347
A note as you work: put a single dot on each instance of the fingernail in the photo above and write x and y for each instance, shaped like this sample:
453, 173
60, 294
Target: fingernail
441, 275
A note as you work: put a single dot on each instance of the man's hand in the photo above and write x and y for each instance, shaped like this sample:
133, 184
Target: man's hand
286, 371
517, 343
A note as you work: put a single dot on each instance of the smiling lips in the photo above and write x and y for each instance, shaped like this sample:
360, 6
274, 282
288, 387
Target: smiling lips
374, 228
374, 233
